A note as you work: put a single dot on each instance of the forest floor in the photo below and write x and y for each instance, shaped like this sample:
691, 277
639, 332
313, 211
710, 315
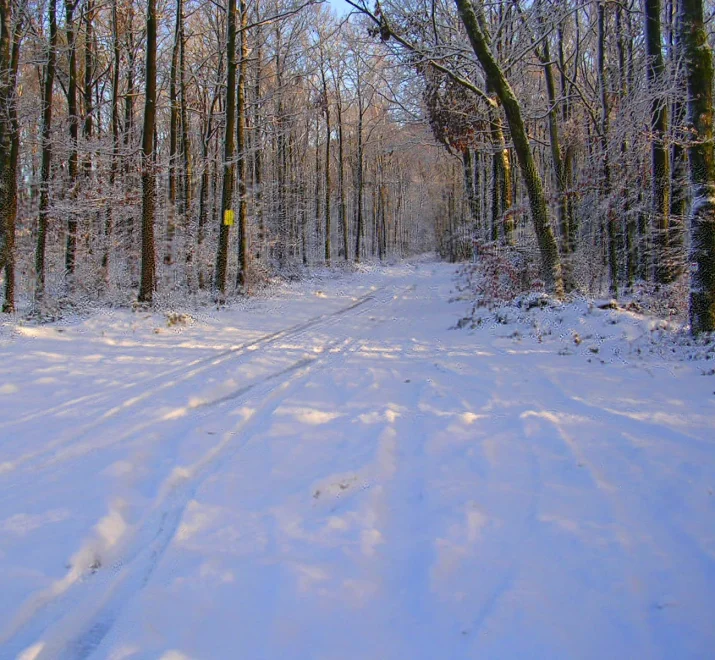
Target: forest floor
334, 471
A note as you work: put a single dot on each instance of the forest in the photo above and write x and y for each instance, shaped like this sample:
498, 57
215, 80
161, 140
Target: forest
357, 329
192, 149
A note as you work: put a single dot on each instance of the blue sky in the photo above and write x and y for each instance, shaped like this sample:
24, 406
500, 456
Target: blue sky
339, 5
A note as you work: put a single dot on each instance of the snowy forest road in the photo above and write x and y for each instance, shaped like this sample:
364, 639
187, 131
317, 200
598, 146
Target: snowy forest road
336, 473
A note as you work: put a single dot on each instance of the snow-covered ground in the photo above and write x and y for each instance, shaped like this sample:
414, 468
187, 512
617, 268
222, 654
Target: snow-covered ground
335, 472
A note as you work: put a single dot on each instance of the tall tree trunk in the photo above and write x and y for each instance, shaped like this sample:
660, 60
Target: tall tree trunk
468, 167
678, 154
225, 218
258, 140
359, 180
557, 158
280, 197
660, 158
87, 92
624, 185
174, 119
148, 261
610, 217
569, 150
129, 95
479, 205
550, 261
73, 160
185, 208
6, 101
205, 187
326, 112
498, 146
317, 200
243, 256
108, 222
45, 169
10, 148
341, 176
699, 66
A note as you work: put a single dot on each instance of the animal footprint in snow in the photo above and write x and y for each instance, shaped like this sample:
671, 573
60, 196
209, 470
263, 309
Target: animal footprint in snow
336, 488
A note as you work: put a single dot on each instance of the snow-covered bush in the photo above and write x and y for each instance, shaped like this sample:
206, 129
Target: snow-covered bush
498, 274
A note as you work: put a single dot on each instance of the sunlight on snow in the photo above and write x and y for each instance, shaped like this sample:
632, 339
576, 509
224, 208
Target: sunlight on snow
22, 523
310, 416
32, 652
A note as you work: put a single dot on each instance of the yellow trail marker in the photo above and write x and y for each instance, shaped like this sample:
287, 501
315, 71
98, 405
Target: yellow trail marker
228, 218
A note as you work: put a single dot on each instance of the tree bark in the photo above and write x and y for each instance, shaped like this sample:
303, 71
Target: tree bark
326, 112
243, 256
610, 216
116, 63
557, 156
174, 119
45, 168
73, 161
660, 158
699, 66
229, 151
341, 177
186, 188
9, 148
550, 261
148, 259
468, 166
88, 125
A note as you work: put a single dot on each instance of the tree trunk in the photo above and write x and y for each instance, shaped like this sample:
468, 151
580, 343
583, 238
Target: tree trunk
148, 260
317, 200
205, 186
610, 216
359, 189
326, 111
186, 189
88, 125
45, 168
569, 153
243, 257
550, 262
699, 66
341, 176
660, 158
9, 148
108, 222
225, 219
6, 101
258, 142
129, 96
678, 155
557, 159
73, 161
174, 118
468, 165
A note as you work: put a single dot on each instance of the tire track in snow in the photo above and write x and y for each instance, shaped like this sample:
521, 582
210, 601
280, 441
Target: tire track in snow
201, 365
198, 367
89, 615
47, 610
506, 541
608, 485
625, 504
209, 360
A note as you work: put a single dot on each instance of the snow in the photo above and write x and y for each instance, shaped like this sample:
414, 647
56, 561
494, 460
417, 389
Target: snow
334, 471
